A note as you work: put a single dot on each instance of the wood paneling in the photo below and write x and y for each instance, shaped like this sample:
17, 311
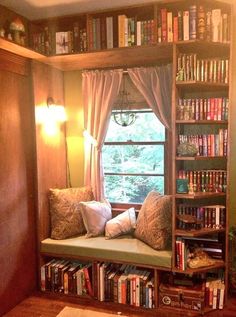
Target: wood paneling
17, 214
14, 63
51, 149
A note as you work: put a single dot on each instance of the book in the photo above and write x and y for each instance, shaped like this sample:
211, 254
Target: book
121, 30
201, 22
88, 278
169, 27
193, 22
164, 25
109, 32
216, 25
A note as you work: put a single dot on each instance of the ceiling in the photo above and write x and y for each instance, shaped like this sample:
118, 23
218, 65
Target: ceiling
41, 9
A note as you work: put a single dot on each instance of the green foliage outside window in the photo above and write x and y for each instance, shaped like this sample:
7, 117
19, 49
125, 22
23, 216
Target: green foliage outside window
134, 159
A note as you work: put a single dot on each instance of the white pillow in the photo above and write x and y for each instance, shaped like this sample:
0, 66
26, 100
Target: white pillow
95, 215
121, 224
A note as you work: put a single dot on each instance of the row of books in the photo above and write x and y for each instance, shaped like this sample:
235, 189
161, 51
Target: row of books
104, 281
191, 68
66, 42
207, 144
205, 180
214, 293
212, 216
197, 22
125, 284
203, 109
185, 246
67, 277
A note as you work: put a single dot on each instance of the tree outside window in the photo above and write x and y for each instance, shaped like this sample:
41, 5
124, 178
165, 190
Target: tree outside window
134, 158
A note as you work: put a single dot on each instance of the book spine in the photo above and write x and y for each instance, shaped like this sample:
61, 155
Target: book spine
164, 25
192, 22
201, 23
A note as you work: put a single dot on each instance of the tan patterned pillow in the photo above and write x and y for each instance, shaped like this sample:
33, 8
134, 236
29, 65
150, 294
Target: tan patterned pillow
66, 218
154, 221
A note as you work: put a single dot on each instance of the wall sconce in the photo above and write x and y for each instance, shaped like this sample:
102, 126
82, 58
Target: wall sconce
57, 112
50, 116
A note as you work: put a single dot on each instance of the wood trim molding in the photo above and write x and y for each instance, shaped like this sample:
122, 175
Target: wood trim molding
14, 63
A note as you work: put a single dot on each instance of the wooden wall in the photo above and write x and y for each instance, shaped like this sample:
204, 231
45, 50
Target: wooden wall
51, 148
17, 187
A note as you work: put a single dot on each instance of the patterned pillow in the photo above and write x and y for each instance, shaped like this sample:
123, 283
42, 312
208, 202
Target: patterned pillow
95, 215
66, 218
154, 221
121, 224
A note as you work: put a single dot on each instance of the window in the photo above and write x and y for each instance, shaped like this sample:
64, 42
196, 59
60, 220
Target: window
133, 159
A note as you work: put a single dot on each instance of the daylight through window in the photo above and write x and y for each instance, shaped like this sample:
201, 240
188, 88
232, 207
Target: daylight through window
133, 158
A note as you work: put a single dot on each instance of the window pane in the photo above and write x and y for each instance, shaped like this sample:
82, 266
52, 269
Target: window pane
146, 128
131, 189
133, 159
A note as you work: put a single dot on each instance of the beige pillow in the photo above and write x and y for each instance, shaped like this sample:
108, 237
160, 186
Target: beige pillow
121, 224
95, 215
66, 218
154, 221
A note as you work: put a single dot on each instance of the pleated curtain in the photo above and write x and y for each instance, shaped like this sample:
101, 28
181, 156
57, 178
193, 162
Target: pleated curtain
99, 91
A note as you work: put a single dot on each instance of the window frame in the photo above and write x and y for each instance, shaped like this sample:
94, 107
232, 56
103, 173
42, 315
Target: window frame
121, 206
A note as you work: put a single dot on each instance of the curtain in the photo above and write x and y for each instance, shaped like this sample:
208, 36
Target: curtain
99, 91
155, 84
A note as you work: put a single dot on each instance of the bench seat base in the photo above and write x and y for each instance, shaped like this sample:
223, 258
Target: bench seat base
122, 249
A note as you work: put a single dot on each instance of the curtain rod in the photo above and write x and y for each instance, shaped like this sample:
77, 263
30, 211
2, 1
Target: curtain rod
125, 71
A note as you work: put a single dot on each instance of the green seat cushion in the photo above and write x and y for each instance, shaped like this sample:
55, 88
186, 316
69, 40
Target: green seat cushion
123, 249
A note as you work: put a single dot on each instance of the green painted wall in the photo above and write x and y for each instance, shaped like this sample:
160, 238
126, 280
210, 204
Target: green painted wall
74, 126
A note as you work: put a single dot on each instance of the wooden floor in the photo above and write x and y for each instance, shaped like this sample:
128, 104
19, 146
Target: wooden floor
39, 305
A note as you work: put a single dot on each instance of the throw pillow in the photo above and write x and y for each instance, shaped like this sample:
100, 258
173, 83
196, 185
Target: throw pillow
121, 224
95, 215
154, 221
66, 218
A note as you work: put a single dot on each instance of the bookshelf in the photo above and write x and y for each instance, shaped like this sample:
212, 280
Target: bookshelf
146, 35
201, 87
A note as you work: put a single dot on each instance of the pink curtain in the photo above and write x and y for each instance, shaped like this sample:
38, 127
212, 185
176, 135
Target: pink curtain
99, 89
155, 84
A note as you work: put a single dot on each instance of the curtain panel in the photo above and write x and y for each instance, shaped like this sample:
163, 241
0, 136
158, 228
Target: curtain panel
99, 91
155, 84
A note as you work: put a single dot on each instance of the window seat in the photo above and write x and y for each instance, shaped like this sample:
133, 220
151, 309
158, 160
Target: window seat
122, 249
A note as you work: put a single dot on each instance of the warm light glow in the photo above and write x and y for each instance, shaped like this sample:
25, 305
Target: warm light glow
50, 118
50, 127
58, 113
54, 112
88, 138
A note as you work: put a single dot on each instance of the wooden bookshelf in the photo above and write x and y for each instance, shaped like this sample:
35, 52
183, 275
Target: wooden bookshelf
23, 51
199, 195
210, 122
158, 52
198, 158
117, 57
197, 233
218, 264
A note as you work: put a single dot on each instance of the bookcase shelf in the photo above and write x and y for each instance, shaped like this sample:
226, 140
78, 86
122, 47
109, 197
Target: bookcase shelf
23, 51
210, 122
199, 158
196, 85
197, 233
111, 58
218, 264
199, 195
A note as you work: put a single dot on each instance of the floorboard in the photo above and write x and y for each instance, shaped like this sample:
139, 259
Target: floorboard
40, 305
